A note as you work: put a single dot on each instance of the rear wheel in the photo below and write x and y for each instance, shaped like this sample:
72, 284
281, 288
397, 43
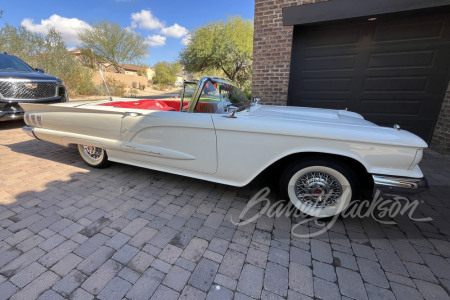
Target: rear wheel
319, 188
95, 157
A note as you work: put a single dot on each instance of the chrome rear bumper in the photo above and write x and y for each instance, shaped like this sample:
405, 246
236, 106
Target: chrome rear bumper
399, 185
29, 131
8, 115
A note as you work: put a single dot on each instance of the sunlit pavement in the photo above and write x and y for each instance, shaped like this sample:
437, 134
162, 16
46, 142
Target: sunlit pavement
69, 231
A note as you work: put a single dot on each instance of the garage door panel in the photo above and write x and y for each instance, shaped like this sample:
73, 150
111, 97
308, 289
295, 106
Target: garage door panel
406, 107
396, 83
324, 95
318, 37
409, 31
329, 63
324, 103
327, 84
393, 71
342, 73
403, 59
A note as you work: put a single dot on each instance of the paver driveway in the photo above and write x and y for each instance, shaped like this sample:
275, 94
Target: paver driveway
68, 231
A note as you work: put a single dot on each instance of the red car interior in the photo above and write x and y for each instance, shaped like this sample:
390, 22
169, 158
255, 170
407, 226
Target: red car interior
150, 104
166, 105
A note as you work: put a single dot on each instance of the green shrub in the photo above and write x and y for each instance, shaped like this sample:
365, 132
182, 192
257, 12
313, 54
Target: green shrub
160, 86
116, 87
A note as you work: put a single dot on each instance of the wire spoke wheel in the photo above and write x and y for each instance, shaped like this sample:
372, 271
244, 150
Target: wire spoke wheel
318, 189
94, 153
93, 156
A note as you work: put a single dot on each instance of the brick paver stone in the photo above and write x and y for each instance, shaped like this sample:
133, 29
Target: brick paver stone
232, 263
276, 279
351, 284
69, 283
115, 290
203, 275
37, 286
251, 281
195, 249
146, 285
177, 278
372, 273
97, 281
301, 279
165, 293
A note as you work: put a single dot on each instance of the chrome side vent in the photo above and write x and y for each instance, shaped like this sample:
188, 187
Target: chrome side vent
39, 120
27, 119
33, 119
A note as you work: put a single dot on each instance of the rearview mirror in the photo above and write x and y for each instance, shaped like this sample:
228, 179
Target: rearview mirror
40, 70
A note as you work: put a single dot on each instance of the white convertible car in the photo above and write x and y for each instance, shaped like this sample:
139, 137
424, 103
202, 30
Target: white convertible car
321, 158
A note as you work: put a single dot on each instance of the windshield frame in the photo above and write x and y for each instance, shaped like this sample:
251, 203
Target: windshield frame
200, 86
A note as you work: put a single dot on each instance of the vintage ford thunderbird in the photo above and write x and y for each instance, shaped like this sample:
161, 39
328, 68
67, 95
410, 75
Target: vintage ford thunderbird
321, 158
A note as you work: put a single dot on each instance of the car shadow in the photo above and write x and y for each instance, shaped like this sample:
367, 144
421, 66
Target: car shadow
6, 125
46, 150
70, 156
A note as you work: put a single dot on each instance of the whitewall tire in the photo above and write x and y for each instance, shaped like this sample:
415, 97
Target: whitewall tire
319, 188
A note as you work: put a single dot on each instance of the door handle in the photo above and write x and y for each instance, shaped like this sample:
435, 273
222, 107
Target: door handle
132, 114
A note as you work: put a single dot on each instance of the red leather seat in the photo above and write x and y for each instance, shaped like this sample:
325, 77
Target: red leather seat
206, 107
150, 104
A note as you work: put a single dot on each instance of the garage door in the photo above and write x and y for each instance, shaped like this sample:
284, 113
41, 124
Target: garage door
392, 71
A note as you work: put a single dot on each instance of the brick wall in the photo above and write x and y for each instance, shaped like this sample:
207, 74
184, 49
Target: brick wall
272, 44
441, 137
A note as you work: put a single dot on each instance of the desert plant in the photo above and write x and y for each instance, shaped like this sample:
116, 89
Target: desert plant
116, 87
115, 44
165, 73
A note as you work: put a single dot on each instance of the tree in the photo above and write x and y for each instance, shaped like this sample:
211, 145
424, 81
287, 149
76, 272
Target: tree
119, 46
176, 68
88, 58
49, 53
21, 43
165, 73
221, 45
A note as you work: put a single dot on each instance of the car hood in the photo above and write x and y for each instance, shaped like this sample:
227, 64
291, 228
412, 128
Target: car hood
330, 124
27, 75
311, 114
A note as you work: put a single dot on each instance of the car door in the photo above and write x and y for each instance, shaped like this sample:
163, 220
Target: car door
173, 139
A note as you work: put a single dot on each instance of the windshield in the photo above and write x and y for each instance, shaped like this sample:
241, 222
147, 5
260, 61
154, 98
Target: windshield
9, 62
220, 96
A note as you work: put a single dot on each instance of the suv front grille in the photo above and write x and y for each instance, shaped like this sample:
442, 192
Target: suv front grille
24, 90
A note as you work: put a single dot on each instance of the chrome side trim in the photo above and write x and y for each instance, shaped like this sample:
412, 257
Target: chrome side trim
29, 130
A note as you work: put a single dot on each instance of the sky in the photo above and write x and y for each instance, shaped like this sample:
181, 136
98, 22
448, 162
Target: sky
165, 24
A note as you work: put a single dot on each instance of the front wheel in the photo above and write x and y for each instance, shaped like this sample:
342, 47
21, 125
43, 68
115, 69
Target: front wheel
319, 188
95, 157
